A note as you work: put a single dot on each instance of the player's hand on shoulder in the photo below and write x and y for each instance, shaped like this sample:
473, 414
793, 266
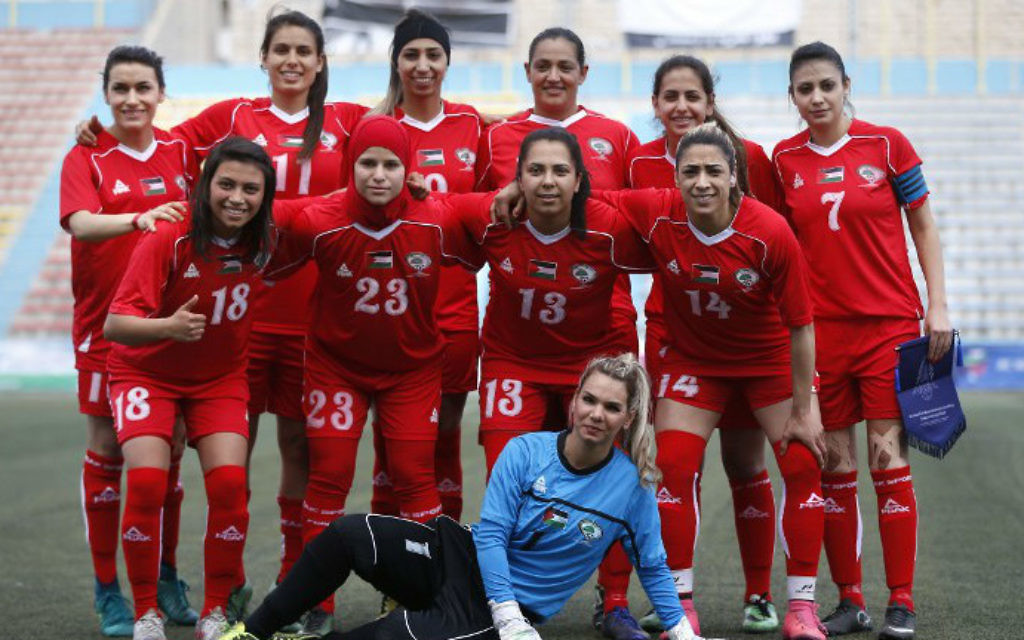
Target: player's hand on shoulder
417, 185
185, 326
489, 118
510, 623
169, 212
507, 206
87, 130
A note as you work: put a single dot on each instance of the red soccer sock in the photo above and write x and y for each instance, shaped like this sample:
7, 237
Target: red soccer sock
613, 576
291, 533
753, 508
843, 529
803, 514
140, 533
494, 443
383, 498
332, 463
412, 476
897, 524
172, 515
448, 471
679, 457
101, 507
227, 523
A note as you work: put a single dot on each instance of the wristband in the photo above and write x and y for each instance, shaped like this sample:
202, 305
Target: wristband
135, 220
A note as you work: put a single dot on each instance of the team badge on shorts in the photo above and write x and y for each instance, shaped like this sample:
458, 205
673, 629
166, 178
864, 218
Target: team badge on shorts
591, 530
419, 262
584, 273
871, 175
601, 147
329, 140
747, 278
466, 156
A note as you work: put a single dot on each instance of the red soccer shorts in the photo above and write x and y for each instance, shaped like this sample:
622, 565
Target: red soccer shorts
146, 408
856, 360
460, 361
718, 393
512, 404
275, 374
92, 394
336, 401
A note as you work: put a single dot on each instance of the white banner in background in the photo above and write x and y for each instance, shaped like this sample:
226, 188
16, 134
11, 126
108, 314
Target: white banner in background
709, 23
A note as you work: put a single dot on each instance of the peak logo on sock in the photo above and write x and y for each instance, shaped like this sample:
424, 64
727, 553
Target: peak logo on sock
381, 480
448, 486
813, 502
753, 513
665, 497
134, 535
831, 506
231, 534
109, 494
891, 507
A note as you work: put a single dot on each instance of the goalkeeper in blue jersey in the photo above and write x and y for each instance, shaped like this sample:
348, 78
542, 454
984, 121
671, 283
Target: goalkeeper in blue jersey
554, 504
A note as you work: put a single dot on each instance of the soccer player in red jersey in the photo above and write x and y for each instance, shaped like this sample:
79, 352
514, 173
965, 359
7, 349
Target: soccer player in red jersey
135, 177
738, 316
181, 323
683, 97
444, 137
555, 68
846, 183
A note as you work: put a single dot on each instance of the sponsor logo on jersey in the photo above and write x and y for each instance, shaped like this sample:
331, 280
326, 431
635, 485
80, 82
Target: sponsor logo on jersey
419, 548
467, 157
584, 273
380, 259
343, 271
192, 271
153, 186
109, 494
328, 139
797, 181
673, 266
747, 277
506, 266
753, 513
556, 518
119, 188
540, 485
591, 530
891, 507
705, 273
831, 506
665, 497
418, 260
260, 140
827, 175
872, 175
231, 534
290, 142
543, 269
430, 157
231, 264
134, 535
601, 147
813, 502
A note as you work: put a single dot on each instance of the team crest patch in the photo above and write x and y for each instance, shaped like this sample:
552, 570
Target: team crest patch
591, 530
328, 139
180, 181
584, 273
747, 277
600, 146
418, 260
871, 175
555, 518
466, 156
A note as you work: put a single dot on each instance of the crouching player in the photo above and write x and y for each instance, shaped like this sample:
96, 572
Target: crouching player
554, 504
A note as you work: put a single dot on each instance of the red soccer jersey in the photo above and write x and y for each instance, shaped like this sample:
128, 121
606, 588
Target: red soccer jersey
444, 151
373, 306
728, 298
165, 271
847, 216
653, 166
107, 179
281, 309
548, 313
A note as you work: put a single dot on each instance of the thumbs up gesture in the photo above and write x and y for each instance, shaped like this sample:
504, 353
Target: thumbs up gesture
185, 326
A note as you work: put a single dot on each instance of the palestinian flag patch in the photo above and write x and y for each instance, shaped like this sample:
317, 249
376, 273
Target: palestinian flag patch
153, 186
555, 518
230, 264
430, 157
827, 175
380, 260
291, 142
706, 273
543, 269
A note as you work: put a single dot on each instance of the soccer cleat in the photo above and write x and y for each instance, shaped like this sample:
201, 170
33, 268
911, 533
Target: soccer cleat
170, 595
619, 624
317, 623
848, 617
116, 616
597, 619
900, 623
237, 632
238, 603
759, 615
212, 626
801, 622
652, 623
149, 627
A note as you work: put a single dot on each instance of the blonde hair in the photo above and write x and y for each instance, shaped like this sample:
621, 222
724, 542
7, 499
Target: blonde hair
638, 434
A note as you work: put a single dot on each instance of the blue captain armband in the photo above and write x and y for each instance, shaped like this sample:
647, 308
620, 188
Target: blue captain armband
910, 185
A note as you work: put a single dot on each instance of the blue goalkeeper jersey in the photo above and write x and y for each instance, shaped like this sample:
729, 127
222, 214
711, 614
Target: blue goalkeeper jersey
544, 527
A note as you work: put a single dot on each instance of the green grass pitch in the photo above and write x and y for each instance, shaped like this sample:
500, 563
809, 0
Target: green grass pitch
970, 559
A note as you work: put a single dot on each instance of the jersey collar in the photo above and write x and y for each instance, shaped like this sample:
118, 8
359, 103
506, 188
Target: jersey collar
551, 122
141, 156
669, 156
424, 126
289, 118
544, 238
573, 470
377, 234
827, 151
721, 236
224, 243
